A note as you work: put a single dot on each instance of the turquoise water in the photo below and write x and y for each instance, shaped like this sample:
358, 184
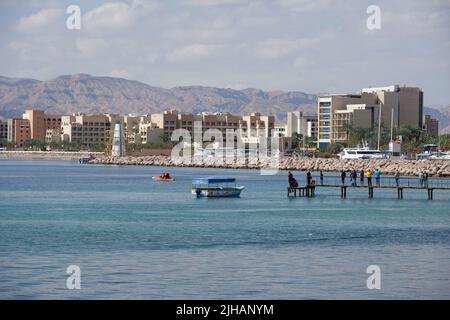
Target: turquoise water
137, 238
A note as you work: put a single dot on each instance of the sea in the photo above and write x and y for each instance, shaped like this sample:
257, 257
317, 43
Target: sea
130, 237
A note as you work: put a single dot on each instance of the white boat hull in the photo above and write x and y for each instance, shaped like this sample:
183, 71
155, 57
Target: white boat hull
219, 192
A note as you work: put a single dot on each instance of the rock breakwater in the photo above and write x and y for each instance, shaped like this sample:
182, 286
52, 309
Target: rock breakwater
436, 168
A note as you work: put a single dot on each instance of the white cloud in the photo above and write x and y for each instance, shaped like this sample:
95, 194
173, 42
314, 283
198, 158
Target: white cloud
307, 5
116, 15
37, 20
277, 48
191, 52
91, 46
214, 2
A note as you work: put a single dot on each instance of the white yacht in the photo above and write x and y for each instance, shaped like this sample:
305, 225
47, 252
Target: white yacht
361, 153
440, 156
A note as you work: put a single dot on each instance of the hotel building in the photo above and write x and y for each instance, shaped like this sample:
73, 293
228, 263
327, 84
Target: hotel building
298, 122
253, 126
19, 131
3, 130
88, 129
396, 105
37, 124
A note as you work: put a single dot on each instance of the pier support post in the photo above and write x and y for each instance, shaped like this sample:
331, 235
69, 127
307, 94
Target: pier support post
370, 192
344, 192
400, 193
430, 193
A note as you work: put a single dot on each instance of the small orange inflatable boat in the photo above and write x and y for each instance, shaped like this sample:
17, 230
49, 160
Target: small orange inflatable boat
159, 178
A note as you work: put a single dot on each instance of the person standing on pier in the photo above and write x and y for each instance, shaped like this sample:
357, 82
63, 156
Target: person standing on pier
397, 179
361, 177
308, 178
321, 177
425, 179
377, 175
369, 177
353, 176
421, 179
343, 175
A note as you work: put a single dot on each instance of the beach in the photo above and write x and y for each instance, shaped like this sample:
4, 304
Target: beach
49, 155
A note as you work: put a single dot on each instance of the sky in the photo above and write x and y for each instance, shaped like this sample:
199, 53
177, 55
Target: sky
312, 46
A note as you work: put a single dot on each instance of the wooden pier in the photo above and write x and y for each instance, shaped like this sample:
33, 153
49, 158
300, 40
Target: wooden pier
430, 185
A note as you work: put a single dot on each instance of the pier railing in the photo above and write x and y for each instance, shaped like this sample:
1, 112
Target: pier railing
384, 181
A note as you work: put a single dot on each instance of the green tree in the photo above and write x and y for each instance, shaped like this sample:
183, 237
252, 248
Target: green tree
357, 135
297, 140
35, 144
98, 147
445, 142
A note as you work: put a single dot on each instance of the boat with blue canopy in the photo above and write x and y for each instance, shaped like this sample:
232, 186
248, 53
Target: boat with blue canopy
216, 187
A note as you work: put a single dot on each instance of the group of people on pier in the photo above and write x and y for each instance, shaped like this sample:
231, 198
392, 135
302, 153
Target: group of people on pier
358, 178
293, 183
362, 175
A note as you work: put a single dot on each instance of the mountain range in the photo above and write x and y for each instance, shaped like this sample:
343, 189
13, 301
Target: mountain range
94, 94
81, 92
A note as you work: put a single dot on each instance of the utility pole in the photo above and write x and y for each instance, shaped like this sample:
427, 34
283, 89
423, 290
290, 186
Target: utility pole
379, 127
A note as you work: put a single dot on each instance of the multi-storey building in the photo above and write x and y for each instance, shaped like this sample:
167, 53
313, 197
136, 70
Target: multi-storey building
19, 131
298, 122
52, 122
52, 128
149, 133
431, 126
37, 124
252, 126
280, 130
3, 130
255, 126
386, 106
88, 129
168, 120
32, 126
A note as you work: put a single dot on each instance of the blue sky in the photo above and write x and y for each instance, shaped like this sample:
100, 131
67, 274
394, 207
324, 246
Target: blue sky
305, 45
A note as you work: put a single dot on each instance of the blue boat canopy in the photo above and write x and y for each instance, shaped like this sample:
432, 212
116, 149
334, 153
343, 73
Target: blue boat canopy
212, 180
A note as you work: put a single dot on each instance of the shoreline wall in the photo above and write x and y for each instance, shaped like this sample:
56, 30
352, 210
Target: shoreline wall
436, 168
49, 155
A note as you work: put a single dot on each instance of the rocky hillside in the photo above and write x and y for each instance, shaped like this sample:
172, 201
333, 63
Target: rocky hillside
85, 93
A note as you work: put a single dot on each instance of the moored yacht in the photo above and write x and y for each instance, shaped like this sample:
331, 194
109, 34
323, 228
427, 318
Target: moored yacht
361, 153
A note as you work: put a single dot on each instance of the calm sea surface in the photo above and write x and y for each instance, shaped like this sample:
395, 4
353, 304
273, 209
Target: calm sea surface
137, 238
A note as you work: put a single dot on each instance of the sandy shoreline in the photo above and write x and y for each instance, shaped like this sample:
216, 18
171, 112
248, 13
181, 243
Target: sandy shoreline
44, 155
436, 168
